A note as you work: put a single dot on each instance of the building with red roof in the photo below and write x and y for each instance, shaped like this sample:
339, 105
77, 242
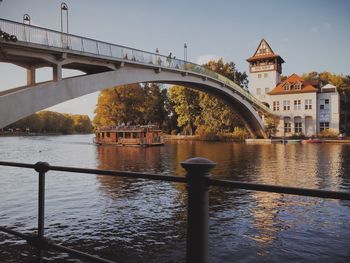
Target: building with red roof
304, 108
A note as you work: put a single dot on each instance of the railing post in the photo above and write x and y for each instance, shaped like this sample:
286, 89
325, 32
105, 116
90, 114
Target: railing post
41, 168
198, 172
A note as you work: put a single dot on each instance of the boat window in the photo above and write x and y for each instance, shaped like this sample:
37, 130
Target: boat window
103, 135
136, 135
120, 134
127, 135
108, 134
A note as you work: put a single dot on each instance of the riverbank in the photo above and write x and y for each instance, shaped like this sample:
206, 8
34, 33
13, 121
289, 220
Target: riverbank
17, 133
294, 141
218, 138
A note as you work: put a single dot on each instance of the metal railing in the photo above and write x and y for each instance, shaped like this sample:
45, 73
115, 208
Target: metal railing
198, 180
68, 42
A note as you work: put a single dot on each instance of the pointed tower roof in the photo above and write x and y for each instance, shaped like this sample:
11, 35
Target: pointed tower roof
293, 84
264, 51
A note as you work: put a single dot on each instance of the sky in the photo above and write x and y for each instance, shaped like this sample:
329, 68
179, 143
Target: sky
310, 35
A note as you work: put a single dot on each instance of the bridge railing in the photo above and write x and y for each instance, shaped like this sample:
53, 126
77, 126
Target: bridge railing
50, 38
198, 180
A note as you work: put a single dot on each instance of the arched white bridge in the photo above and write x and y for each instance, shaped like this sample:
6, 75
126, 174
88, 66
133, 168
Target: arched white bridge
106, 65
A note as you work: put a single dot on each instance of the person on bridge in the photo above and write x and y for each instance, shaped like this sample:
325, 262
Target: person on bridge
169, 58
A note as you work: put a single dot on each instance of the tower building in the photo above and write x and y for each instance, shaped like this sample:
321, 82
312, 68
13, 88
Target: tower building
265, 68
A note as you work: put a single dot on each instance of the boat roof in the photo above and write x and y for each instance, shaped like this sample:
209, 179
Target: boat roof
128, 128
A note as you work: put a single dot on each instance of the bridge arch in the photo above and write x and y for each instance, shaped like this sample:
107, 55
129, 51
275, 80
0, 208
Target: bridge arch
19, 103
106, 65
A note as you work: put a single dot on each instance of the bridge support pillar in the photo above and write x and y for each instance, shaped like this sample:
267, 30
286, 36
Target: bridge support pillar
31, 76
57, 72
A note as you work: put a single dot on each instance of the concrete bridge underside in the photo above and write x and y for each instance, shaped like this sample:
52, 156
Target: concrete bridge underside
21, 102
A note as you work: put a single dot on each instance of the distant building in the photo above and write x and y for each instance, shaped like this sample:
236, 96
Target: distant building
303, 107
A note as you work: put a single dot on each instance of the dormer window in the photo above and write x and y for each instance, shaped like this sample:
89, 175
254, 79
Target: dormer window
297, 86
287, 87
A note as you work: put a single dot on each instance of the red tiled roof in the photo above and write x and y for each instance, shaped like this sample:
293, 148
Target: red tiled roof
294, 78
257, 57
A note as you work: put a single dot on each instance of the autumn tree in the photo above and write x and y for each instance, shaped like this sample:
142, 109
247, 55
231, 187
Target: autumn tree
135, 103
121, 104
228, 70
208, 114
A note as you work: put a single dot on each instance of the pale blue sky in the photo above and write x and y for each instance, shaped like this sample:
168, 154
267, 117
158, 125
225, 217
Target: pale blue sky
310, 35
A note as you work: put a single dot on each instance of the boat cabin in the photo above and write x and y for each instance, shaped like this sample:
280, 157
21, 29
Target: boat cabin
147, 135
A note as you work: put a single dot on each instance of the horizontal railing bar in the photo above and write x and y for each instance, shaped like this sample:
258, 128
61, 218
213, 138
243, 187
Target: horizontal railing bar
212, 182
21, 165
15, 233
157, 177
120, 173
49, 244
78, 253
281, 189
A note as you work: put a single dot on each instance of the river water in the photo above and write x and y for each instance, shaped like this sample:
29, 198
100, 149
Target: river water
130, 220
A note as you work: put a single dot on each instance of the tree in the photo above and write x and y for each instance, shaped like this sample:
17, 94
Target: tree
186, 105
81, 123
154, 109
199, 110
229, 71
54, 122
121, 104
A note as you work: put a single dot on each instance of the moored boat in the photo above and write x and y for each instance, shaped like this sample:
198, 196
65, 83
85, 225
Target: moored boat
146, 135
312, 140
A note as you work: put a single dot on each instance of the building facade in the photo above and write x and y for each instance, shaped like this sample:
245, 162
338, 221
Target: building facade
303, 107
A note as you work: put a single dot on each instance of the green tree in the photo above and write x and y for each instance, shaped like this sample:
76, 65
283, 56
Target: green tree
186, 106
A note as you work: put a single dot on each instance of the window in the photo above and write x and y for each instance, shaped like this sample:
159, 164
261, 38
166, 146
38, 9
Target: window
267, 90
324, 126
287, 127
108, 134
276, 105
324, 104
297, 104
308, 104
258, 91
286, 87
286, 105
266, 75
297, 127
259, 76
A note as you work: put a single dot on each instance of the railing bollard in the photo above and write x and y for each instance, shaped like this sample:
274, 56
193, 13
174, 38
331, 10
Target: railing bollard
198, 171
41, 168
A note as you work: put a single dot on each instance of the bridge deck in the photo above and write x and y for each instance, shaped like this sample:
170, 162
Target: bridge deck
29, 36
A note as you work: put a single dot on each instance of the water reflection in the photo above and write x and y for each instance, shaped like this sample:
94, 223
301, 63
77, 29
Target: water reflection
116, 217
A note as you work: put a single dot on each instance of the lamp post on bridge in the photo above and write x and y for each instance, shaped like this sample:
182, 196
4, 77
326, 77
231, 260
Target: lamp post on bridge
26, 19
185, 52
64, 39
64, 7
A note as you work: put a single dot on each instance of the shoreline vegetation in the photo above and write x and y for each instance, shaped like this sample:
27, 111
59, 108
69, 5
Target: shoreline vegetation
51, 123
